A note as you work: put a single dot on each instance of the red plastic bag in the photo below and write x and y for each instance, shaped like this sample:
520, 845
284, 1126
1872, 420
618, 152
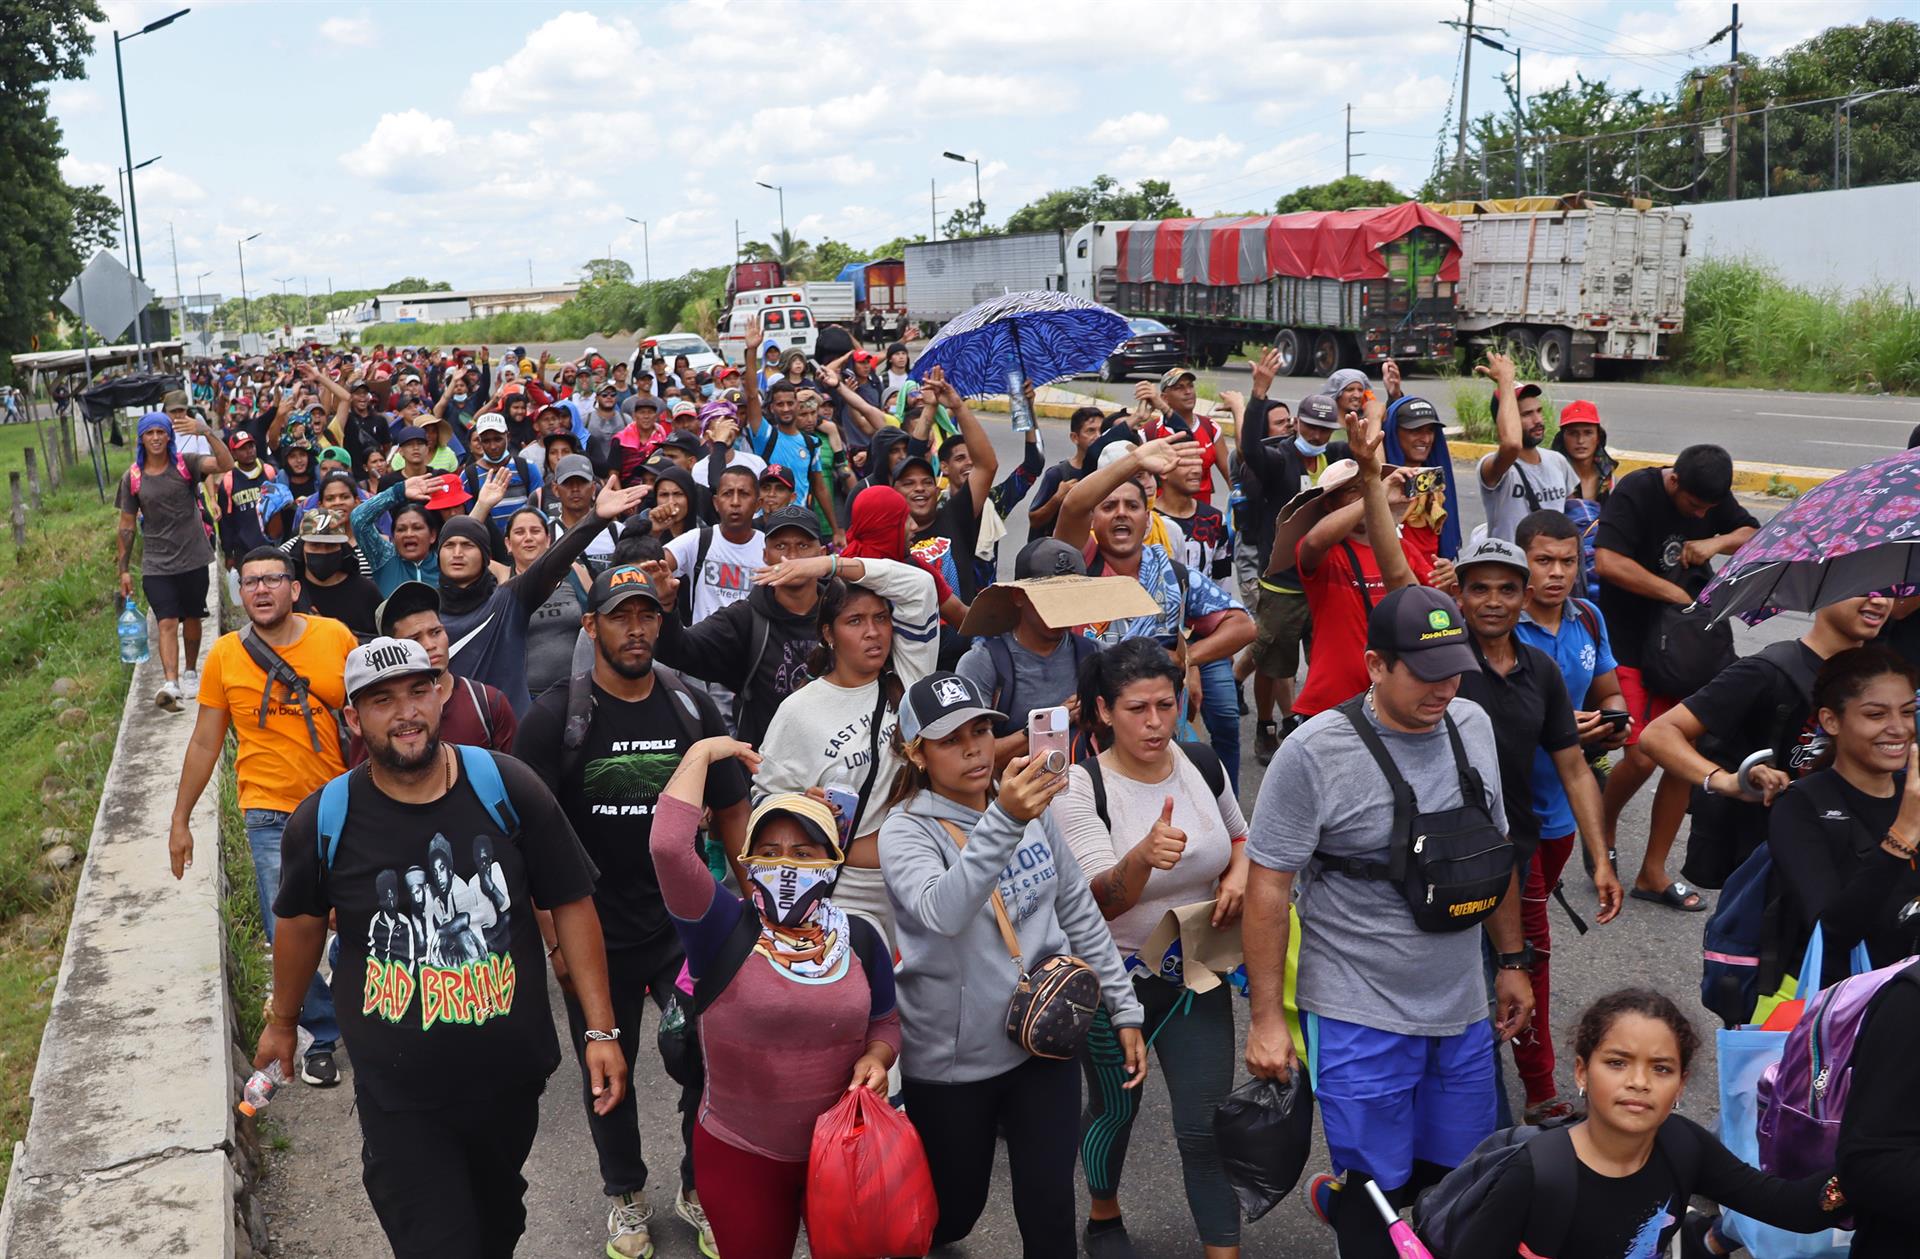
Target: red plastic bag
869, 1192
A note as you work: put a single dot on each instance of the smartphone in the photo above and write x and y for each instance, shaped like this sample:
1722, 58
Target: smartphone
1426, 481
1048, 731
846, 807
1615, 717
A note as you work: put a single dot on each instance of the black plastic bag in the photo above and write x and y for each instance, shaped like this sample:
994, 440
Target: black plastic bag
1264, 1130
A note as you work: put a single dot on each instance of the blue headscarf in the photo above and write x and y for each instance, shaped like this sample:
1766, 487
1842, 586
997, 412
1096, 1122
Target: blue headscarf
1438, 458
158, 419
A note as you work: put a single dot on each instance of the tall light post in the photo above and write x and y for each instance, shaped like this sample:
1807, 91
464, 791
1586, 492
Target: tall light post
240, 250
200, 300
126, 138
975, 163
645, 261
126, 236
782, 191
285, 310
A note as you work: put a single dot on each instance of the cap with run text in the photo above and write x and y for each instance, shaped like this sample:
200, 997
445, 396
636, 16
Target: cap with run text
382, 660
1423, 627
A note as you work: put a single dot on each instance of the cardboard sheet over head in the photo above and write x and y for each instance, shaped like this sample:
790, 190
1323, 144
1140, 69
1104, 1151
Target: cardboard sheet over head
1060, 603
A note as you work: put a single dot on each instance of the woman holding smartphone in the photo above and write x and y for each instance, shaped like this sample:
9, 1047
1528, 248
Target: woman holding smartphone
1164, 836
957, 854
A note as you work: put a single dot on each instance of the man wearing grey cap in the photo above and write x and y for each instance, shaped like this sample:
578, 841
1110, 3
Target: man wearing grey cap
1391, 991
450, 1055
573, 490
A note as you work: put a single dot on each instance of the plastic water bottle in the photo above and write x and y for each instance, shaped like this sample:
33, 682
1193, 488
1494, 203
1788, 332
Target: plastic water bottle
261, 1086
133, 635
1017, 400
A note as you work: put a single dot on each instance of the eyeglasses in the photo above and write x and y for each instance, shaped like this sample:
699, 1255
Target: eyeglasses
268, 581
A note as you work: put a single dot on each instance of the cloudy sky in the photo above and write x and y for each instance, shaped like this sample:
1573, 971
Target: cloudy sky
480, 142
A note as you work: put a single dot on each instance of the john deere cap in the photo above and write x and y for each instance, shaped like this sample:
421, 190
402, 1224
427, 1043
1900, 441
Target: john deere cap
1423, 627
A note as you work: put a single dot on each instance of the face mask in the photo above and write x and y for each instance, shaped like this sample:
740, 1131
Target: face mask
785, 892
325, 564
1308, 449
459, 397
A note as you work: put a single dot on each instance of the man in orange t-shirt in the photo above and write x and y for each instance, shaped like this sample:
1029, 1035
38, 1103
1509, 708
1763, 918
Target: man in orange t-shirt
283, 759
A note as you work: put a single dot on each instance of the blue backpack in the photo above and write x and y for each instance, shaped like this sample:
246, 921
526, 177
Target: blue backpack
1585, 514
481, 771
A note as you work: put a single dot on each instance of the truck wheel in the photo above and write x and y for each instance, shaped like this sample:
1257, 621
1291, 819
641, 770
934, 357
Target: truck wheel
1519, 340
1293, 352
1326, 354
1555, 352
1114, 370
1216, 354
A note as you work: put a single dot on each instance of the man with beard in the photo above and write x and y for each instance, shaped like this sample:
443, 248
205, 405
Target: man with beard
640, 722
288, 745
449, 1065
487, 618
1520, 478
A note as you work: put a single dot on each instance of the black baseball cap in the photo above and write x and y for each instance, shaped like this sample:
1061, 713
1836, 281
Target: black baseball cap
779, 472
792, 516
685, 441
618, 584
405, 599
1319, 410
940, 703
1048, 557
1423, 627
1415, 413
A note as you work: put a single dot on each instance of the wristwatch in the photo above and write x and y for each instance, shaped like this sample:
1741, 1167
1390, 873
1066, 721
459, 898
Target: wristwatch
1523, 960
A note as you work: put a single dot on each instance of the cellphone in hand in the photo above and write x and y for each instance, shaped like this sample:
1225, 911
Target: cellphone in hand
1048, 731
845, 805
1426, 481
1617, 718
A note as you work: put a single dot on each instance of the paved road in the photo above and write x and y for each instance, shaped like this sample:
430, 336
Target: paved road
1813, 430
315, 1205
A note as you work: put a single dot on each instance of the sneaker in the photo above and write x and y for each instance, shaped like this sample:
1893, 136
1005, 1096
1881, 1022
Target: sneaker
190, 684
627, 1233
1320, 1196
1111, 1242
1266, 741
320, 1070
696, 1217
168, 697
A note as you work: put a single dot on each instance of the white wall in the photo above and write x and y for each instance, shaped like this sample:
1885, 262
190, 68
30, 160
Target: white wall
1854, 239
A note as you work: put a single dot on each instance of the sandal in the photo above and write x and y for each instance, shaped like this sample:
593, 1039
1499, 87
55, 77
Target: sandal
1676, 895
1555, 1110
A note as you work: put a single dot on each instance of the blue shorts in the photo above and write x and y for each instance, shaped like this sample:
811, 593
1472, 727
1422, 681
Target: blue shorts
1387, 1099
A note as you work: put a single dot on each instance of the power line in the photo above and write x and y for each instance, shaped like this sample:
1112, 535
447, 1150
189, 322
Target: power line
1617, 34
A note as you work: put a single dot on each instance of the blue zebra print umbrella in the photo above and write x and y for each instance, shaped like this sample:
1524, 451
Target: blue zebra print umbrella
1046, 334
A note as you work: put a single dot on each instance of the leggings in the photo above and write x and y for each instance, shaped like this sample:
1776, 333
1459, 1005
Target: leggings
957, 1123
1534, 1054
752, 1202
1195, 1045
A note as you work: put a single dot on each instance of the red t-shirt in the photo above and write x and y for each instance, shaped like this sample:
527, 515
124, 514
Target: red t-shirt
1204, 436
1336, 664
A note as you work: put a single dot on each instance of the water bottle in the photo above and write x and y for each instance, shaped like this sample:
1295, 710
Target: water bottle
133, 635
1017, 400
261, 1086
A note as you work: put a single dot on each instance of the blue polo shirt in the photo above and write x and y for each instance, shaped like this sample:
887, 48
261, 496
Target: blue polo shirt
1582, 655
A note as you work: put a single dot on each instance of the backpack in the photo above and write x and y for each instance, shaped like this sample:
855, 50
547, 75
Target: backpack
1751, 938
481, 771
773, 439
762, 630
471, 475
299, 690
180, 466
699, 566
1004, 677
573, 740
1585, 514
1203, 757
1442, 1212
1684, 647
1803, 1096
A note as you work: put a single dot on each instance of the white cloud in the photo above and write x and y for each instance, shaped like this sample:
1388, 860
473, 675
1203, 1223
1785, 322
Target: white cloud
74, 98
558, 61
403, 151
1130, 129
348, 32
1179, 155
938, 93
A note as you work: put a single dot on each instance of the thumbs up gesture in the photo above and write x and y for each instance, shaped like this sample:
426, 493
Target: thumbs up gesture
1165, 842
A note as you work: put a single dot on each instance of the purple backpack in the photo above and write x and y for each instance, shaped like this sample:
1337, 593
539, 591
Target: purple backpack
1803, 1096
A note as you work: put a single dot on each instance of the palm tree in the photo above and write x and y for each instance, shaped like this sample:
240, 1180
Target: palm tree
794, 255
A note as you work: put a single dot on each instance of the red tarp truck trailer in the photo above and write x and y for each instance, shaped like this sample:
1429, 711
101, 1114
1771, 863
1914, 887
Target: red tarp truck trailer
1329, 289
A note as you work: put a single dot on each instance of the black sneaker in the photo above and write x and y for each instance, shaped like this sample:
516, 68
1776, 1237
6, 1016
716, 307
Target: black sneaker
1110, 1242
1266, 741
320, 1070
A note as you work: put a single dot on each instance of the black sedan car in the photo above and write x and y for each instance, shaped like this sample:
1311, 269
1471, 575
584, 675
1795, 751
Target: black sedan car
1153, 347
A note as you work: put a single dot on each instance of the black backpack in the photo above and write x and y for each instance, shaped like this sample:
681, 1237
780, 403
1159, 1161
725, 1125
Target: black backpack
573, 739
1005, 678
1441, 1214
1683, 652
1204, 759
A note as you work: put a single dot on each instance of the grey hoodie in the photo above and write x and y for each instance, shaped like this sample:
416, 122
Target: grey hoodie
954, 978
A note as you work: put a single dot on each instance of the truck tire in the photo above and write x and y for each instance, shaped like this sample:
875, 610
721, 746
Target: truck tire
1326, 354
1293, 352
1519, 340
1555, 353
1114, 370
1216, 352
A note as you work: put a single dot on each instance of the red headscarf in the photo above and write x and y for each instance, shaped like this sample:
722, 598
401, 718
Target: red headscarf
877, 530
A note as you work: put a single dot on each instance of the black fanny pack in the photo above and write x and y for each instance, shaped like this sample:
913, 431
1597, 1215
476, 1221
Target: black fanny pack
1453, 866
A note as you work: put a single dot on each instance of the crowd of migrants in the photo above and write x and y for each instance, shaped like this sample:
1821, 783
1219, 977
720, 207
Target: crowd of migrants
656, 677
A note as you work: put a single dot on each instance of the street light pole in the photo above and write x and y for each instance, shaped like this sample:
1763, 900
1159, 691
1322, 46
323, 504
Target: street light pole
126, 137
781, 191
200, 300
646, 260
975, 162
240, 249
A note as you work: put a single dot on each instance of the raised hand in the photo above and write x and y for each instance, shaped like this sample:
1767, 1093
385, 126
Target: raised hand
1265, 368
1165, 842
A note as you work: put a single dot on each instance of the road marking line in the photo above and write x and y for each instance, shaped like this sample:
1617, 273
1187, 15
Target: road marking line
1851, 419
1853, 445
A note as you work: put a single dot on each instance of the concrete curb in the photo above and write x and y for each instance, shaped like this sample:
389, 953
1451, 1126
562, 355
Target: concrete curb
1748, 478
135, 1161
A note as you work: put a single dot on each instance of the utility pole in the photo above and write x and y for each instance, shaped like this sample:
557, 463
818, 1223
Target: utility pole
1350, 134
933, 206
1733, 115
179, 294
1466, 81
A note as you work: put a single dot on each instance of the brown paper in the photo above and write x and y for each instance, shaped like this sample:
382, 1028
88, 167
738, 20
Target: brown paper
1061, 602
1206, 951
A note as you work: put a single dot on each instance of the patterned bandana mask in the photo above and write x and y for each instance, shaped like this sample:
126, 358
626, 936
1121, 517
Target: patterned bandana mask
786, 892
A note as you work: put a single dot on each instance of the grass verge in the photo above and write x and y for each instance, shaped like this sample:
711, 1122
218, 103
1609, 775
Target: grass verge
249, 969
57, 610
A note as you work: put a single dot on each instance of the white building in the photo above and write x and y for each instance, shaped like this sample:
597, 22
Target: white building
451, 307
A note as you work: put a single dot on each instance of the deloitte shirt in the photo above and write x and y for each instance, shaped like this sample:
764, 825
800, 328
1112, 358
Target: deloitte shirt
726, 574
1525, 489
442, 983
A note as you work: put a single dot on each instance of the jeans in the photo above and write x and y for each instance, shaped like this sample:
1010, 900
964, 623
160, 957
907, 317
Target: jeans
1220, 708
264, 828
